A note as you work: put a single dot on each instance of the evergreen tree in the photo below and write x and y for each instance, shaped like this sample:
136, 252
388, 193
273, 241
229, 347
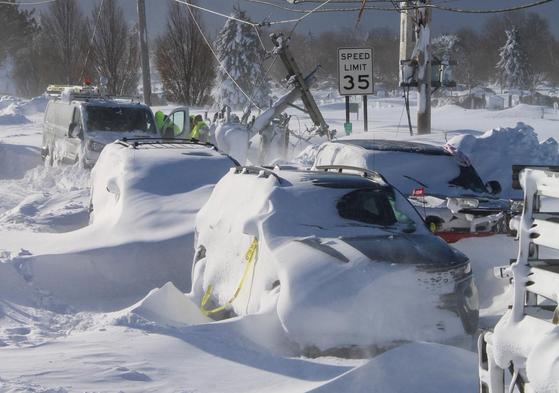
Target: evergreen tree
513, 64
241, 54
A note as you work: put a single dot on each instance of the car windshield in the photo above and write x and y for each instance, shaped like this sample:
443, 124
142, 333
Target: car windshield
372, 206
119, 119
468, 179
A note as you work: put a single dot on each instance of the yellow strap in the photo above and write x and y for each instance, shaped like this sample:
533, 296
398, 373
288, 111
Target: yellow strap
249, 257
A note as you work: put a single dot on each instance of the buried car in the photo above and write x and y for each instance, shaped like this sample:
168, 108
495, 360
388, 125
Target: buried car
342, 260
439, 181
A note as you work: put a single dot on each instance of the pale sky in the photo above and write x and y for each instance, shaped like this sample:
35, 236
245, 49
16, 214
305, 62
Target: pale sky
442, 21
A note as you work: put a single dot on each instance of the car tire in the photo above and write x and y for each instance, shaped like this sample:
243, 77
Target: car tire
433, 223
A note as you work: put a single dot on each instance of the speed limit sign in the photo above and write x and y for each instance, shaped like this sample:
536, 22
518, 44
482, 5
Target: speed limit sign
355, 71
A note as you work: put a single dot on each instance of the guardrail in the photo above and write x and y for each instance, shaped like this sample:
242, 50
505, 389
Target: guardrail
534, 311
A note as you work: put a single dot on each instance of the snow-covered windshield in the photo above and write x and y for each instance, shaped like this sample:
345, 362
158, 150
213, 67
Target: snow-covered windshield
119, 119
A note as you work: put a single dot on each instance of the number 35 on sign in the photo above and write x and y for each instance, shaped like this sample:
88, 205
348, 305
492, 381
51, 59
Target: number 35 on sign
355, 71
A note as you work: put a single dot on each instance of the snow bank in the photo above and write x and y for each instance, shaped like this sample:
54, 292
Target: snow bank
9, 119
165, 306
417, 367
494, 153
145, 202
16, 160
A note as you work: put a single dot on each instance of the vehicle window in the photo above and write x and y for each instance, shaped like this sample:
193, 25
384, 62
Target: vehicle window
468, 179
177, 122
367, 205
76, 119
120, 119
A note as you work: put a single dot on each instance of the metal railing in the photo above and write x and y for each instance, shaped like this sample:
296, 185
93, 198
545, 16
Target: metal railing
534, 309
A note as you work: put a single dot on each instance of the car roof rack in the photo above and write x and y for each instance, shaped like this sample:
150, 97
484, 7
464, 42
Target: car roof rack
367, 173
85, 93
257, 170
76, 92
134, 143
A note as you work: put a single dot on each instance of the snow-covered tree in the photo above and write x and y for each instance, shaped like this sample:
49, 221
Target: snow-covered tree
513, 65
241, 54
445, 46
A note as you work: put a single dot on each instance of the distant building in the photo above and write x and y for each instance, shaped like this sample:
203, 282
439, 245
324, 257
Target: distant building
496, 102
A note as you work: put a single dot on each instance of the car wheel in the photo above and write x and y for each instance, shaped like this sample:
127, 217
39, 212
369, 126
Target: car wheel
433, 223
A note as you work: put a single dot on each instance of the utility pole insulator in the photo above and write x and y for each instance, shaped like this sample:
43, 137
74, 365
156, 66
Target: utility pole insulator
143, 37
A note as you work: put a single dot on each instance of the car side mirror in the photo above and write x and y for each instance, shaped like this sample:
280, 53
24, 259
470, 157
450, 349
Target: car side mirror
494, 187
75, 131
71, 129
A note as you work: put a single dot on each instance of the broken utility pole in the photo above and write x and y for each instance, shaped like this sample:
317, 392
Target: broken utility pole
143, 36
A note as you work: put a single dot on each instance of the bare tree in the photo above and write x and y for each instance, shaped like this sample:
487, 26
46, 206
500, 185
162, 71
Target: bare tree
64, 39
183, 59
115, 52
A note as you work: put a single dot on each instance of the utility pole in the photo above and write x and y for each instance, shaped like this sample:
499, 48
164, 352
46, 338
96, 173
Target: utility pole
407, 37
143, 36
422, 53
415, 54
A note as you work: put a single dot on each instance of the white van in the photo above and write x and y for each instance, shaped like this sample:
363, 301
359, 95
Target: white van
77, 127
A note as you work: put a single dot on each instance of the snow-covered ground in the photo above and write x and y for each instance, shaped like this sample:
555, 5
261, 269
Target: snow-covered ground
124, 342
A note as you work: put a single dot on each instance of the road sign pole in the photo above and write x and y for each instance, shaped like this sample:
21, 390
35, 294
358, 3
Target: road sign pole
365, 114
347, 109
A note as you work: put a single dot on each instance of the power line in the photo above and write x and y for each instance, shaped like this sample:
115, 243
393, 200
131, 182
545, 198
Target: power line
92, 38
215, 54
30, 3
378, 8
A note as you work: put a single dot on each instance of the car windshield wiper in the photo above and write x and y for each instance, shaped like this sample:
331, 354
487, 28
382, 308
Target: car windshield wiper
415, 180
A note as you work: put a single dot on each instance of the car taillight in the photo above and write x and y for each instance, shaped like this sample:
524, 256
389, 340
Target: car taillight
418, 192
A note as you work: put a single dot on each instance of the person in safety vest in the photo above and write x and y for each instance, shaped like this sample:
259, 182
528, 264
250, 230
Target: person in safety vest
160, 118
200, 130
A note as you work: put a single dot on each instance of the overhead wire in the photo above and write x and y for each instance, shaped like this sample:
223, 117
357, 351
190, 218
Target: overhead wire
92, 39
30, 3
254, 25
405, 8
201, 31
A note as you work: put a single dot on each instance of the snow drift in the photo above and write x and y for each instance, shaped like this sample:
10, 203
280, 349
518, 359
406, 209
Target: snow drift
494, 153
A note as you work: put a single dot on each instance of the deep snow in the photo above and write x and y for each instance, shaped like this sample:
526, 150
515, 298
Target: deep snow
57, 335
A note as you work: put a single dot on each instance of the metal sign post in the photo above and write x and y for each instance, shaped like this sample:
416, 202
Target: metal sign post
355, 77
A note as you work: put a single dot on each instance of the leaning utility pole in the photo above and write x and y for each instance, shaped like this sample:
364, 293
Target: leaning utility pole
422, 53
143, 36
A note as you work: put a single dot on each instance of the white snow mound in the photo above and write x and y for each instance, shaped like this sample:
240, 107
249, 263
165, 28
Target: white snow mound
494, 153
418, 367
164, 306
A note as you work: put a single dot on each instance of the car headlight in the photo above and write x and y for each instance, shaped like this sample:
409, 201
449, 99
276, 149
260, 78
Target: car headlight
462, 203
96, 146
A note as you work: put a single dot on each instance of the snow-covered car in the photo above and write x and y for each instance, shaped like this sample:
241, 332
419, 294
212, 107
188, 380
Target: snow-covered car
439, 181
79, 123
147, 192
341, 259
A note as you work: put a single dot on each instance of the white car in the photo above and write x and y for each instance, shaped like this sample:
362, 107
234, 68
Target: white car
342, 259
439, 181
79, 123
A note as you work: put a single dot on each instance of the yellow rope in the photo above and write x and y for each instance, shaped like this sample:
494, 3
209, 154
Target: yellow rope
249, 257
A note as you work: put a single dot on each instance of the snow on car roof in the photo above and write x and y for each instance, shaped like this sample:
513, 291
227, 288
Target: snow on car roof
327, 179
399, 146
109, 103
